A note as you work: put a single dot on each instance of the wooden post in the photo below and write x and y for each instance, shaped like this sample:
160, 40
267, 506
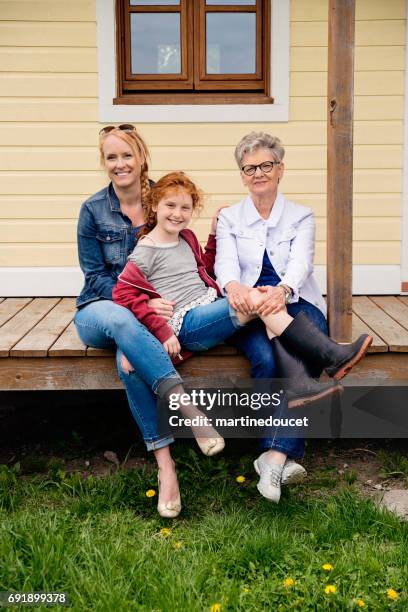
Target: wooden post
340, 167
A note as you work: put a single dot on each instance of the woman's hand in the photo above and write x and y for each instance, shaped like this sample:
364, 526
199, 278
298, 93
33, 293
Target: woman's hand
162, 307
274, 300
239, 298
213, 228
172, 346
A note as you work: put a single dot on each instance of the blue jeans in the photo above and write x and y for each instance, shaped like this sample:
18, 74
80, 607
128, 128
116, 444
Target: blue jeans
104, 324
208, 325
253, 342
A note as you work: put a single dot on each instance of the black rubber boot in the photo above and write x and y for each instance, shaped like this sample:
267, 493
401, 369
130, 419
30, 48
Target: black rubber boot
301, 389
308, 342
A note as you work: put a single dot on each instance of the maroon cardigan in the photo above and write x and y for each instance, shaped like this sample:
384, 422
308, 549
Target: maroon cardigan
133, 290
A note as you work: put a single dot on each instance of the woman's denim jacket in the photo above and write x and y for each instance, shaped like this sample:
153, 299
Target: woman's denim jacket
106, 238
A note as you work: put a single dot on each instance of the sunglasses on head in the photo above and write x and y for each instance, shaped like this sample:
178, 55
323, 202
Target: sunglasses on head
125, 127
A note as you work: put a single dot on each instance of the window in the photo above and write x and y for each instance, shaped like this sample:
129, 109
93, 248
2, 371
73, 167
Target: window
193, 52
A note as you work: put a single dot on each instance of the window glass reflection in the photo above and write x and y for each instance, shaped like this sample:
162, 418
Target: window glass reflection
155, 43
231, 43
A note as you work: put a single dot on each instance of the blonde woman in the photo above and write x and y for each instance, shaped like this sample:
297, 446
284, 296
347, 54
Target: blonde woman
108, 227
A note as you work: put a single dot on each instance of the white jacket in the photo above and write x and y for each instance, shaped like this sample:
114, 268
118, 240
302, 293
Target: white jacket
288, 235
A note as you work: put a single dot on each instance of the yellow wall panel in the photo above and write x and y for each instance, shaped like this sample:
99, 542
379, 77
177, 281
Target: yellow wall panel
40, 207
367, 83
316, 10
366, 253
315, 108
48, 134
49, 183
46, 109
49, 158
311, 59
48, 85
47, 10
372, 33
40, 34
366, 229
38, 255
37, 230
47, 59
364, 204
376, 132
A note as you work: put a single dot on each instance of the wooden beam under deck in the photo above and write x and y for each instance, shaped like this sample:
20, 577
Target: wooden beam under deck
41, 351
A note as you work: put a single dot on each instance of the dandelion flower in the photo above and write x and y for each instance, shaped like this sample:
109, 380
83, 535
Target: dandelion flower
240, 479
391, 594
245, 589
288, 582
150, 493
216, 607
327, 567
165, 532
360, 603
178, 545
330, 589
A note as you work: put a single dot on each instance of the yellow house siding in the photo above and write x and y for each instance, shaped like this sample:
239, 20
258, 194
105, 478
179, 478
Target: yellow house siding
48, 129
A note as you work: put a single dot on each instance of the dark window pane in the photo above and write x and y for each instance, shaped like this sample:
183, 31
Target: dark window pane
153, 2
231, 43
156, 45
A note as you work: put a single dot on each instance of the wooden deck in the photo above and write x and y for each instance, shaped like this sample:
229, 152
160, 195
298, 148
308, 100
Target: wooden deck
39, 347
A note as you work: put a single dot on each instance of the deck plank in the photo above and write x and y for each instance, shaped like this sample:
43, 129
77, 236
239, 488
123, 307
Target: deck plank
393, 307
24, 321
381, 323
11, 306
403, 299
68, 344
41, 337
359, 327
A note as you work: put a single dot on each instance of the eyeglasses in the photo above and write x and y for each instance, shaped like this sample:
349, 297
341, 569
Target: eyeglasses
265, 167
125, 127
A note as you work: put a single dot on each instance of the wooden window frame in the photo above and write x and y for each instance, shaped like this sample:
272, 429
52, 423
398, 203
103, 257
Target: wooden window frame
193, 85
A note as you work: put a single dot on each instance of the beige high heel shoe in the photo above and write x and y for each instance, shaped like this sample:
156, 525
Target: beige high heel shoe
169, 509
211, 446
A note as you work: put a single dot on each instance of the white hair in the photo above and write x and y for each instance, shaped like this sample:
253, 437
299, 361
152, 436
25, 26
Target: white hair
258, 140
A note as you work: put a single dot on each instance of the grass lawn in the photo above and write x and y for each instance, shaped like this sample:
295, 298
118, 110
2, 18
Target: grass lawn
100, 540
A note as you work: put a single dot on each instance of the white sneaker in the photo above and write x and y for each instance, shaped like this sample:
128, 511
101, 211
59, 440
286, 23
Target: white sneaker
269, 484
293, 472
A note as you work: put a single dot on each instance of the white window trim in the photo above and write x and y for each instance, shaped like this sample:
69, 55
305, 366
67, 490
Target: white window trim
193, 113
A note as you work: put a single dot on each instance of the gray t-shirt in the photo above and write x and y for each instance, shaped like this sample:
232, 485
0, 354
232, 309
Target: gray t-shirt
171, 269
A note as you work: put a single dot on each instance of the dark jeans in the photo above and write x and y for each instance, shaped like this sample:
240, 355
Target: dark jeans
253, 342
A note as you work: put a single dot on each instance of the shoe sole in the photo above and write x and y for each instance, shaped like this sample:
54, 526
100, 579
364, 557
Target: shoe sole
294, 479
271, 499
304, 401
358, 357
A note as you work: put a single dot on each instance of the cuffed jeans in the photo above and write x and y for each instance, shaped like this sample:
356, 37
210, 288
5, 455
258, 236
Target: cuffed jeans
104, 324
253, 342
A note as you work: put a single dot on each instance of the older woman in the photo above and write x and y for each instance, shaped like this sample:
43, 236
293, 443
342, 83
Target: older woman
268, 241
